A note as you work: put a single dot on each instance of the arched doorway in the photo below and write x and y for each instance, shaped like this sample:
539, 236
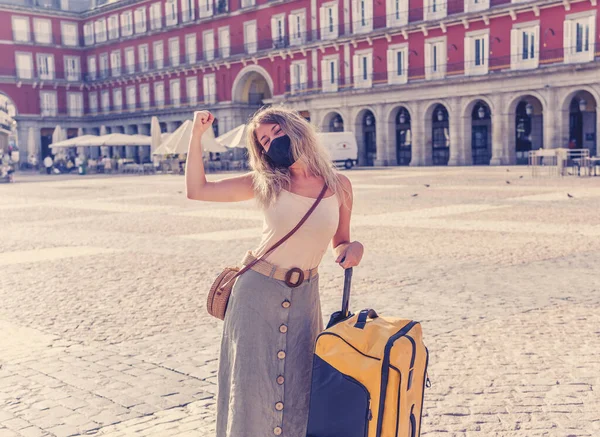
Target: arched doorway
403, 137
582, 122
369, 138
253, 85
440, 136
481, 134
336, 124
529, 126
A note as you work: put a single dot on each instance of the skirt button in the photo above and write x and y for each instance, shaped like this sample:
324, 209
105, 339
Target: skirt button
283, 329
279, 406
281, 355
277, 431
285, 304
280, 380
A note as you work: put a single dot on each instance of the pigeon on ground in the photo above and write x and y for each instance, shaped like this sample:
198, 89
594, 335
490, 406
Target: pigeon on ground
521, 177
427, 185
570, 196
414, 195
508, 182
507, 169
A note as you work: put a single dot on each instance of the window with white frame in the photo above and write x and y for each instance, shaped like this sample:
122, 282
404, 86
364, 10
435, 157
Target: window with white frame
159, 94
45, 64
72, 68
115, 63
20, 27
210, 88
297, 27
88, 34
278, 30
362, 15
113, 27
191, 89
397, 13
476, 5
100, 30
435, 58
208, 45
250, 40
175, 92
224, 43
43, 31
159, 54
92, 69
174, 52
476, 52
580, 37
171, 12
205, 8
118, 99
104, 69
127, 23
298, 76
105, 101
144, 57
75, 104
139, 17
328, 15
130, 60
130, 97
190, 48
247, 3
93, 101
330, 73
397, 63
24, 62
524, 45
48, 106
187, 10
363, 69
145, 96
69, 33
156, 16
435, 9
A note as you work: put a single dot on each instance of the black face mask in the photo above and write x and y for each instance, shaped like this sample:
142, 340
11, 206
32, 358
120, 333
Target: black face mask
280, 152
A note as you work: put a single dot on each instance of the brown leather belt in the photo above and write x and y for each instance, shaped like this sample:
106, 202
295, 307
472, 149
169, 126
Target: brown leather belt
293, 277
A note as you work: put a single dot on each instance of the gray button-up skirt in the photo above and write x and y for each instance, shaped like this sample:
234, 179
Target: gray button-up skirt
266, 357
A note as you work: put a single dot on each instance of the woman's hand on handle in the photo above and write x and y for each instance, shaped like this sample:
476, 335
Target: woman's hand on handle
351, 255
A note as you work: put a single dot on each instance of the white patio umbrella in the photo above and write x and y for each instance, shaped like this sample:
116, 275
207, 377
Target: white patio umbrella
234, 138
179, 140
103, 149
155, 134
57, 135
31, 148
74, 142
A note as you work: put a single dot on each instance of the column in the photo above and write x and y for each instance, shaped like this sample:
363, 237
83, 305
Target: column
551, 121
381, 127
500, 144
456, 124
417, 126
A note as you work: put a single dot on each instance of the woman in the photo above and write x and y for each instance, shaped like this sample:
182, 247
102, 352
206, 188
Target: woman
270, 328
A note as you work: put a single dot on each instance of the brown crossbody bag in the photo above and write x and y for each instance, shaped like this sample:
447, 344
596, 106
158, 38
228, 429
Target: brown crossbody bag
219, 293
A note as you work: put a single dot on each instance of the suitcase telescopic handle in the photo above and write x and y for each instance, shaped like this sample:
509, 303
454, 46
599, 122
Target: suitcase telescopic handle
346, 295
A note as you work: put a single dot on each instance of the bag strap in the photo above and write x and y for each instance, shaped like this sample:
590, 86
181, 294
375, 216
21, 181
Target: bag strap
280, 242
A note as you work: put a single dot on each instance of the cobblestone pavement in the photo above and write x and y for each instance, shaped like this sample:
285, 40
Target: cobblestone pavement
103, 329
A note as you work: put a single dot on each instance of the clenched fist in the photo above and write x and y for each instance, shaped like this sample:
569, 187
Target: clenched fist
203, 121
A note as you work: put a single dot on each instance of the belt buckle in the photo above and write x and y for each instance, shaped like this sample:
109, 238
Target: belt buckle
288, 276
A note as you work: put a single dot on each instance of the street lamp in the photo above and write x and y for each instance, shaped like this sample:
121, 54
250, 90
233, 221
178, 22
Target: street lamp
481, 112
582, 105
369, 120
402, 118
440, 115
337, 122
529, 109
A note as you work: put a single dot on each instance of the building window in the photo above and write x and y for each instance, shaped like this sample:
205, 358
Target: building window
43, 31
190, 48
118, 99
435, 9
208, 45
69, 34
298, 76
210, 88
93, 101
524, 46
278, 31
145, 96
397, 13
174, 52
435, 58
205, 8
92, 70
297, 27
159, 55
224, 42
130, 60
75, 104
105, 97
88, 34
72, 68
45, 65
191, 89
126, 24
20, 26
247, 3
144, 58
580, 37
130, 98
187, 10
329, 74
476, 52
397, 64
100, 30
329, 20
476, 5
159, 94
155, 16
48, 106
362, 15
250, 37
103, 65
171, 12
24, 63
115, 63
175, 92
140, 20
363, 69
113, 27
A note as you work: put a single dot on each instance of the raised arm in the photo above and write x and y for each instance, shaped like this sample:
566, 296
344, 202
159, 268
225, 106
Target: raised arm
233, 189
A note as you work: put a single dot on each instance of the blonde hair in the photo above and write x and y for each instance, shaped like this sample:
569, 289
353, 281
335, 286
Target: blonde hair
269, 180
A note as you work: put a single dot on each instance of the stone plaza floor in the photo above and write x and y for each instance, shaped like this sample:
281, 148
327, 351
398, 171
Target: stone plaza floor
103, 327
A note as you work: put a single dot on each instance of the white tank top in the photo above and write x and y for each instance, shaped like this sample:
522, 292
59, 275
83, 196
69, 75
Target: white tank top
306, 247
